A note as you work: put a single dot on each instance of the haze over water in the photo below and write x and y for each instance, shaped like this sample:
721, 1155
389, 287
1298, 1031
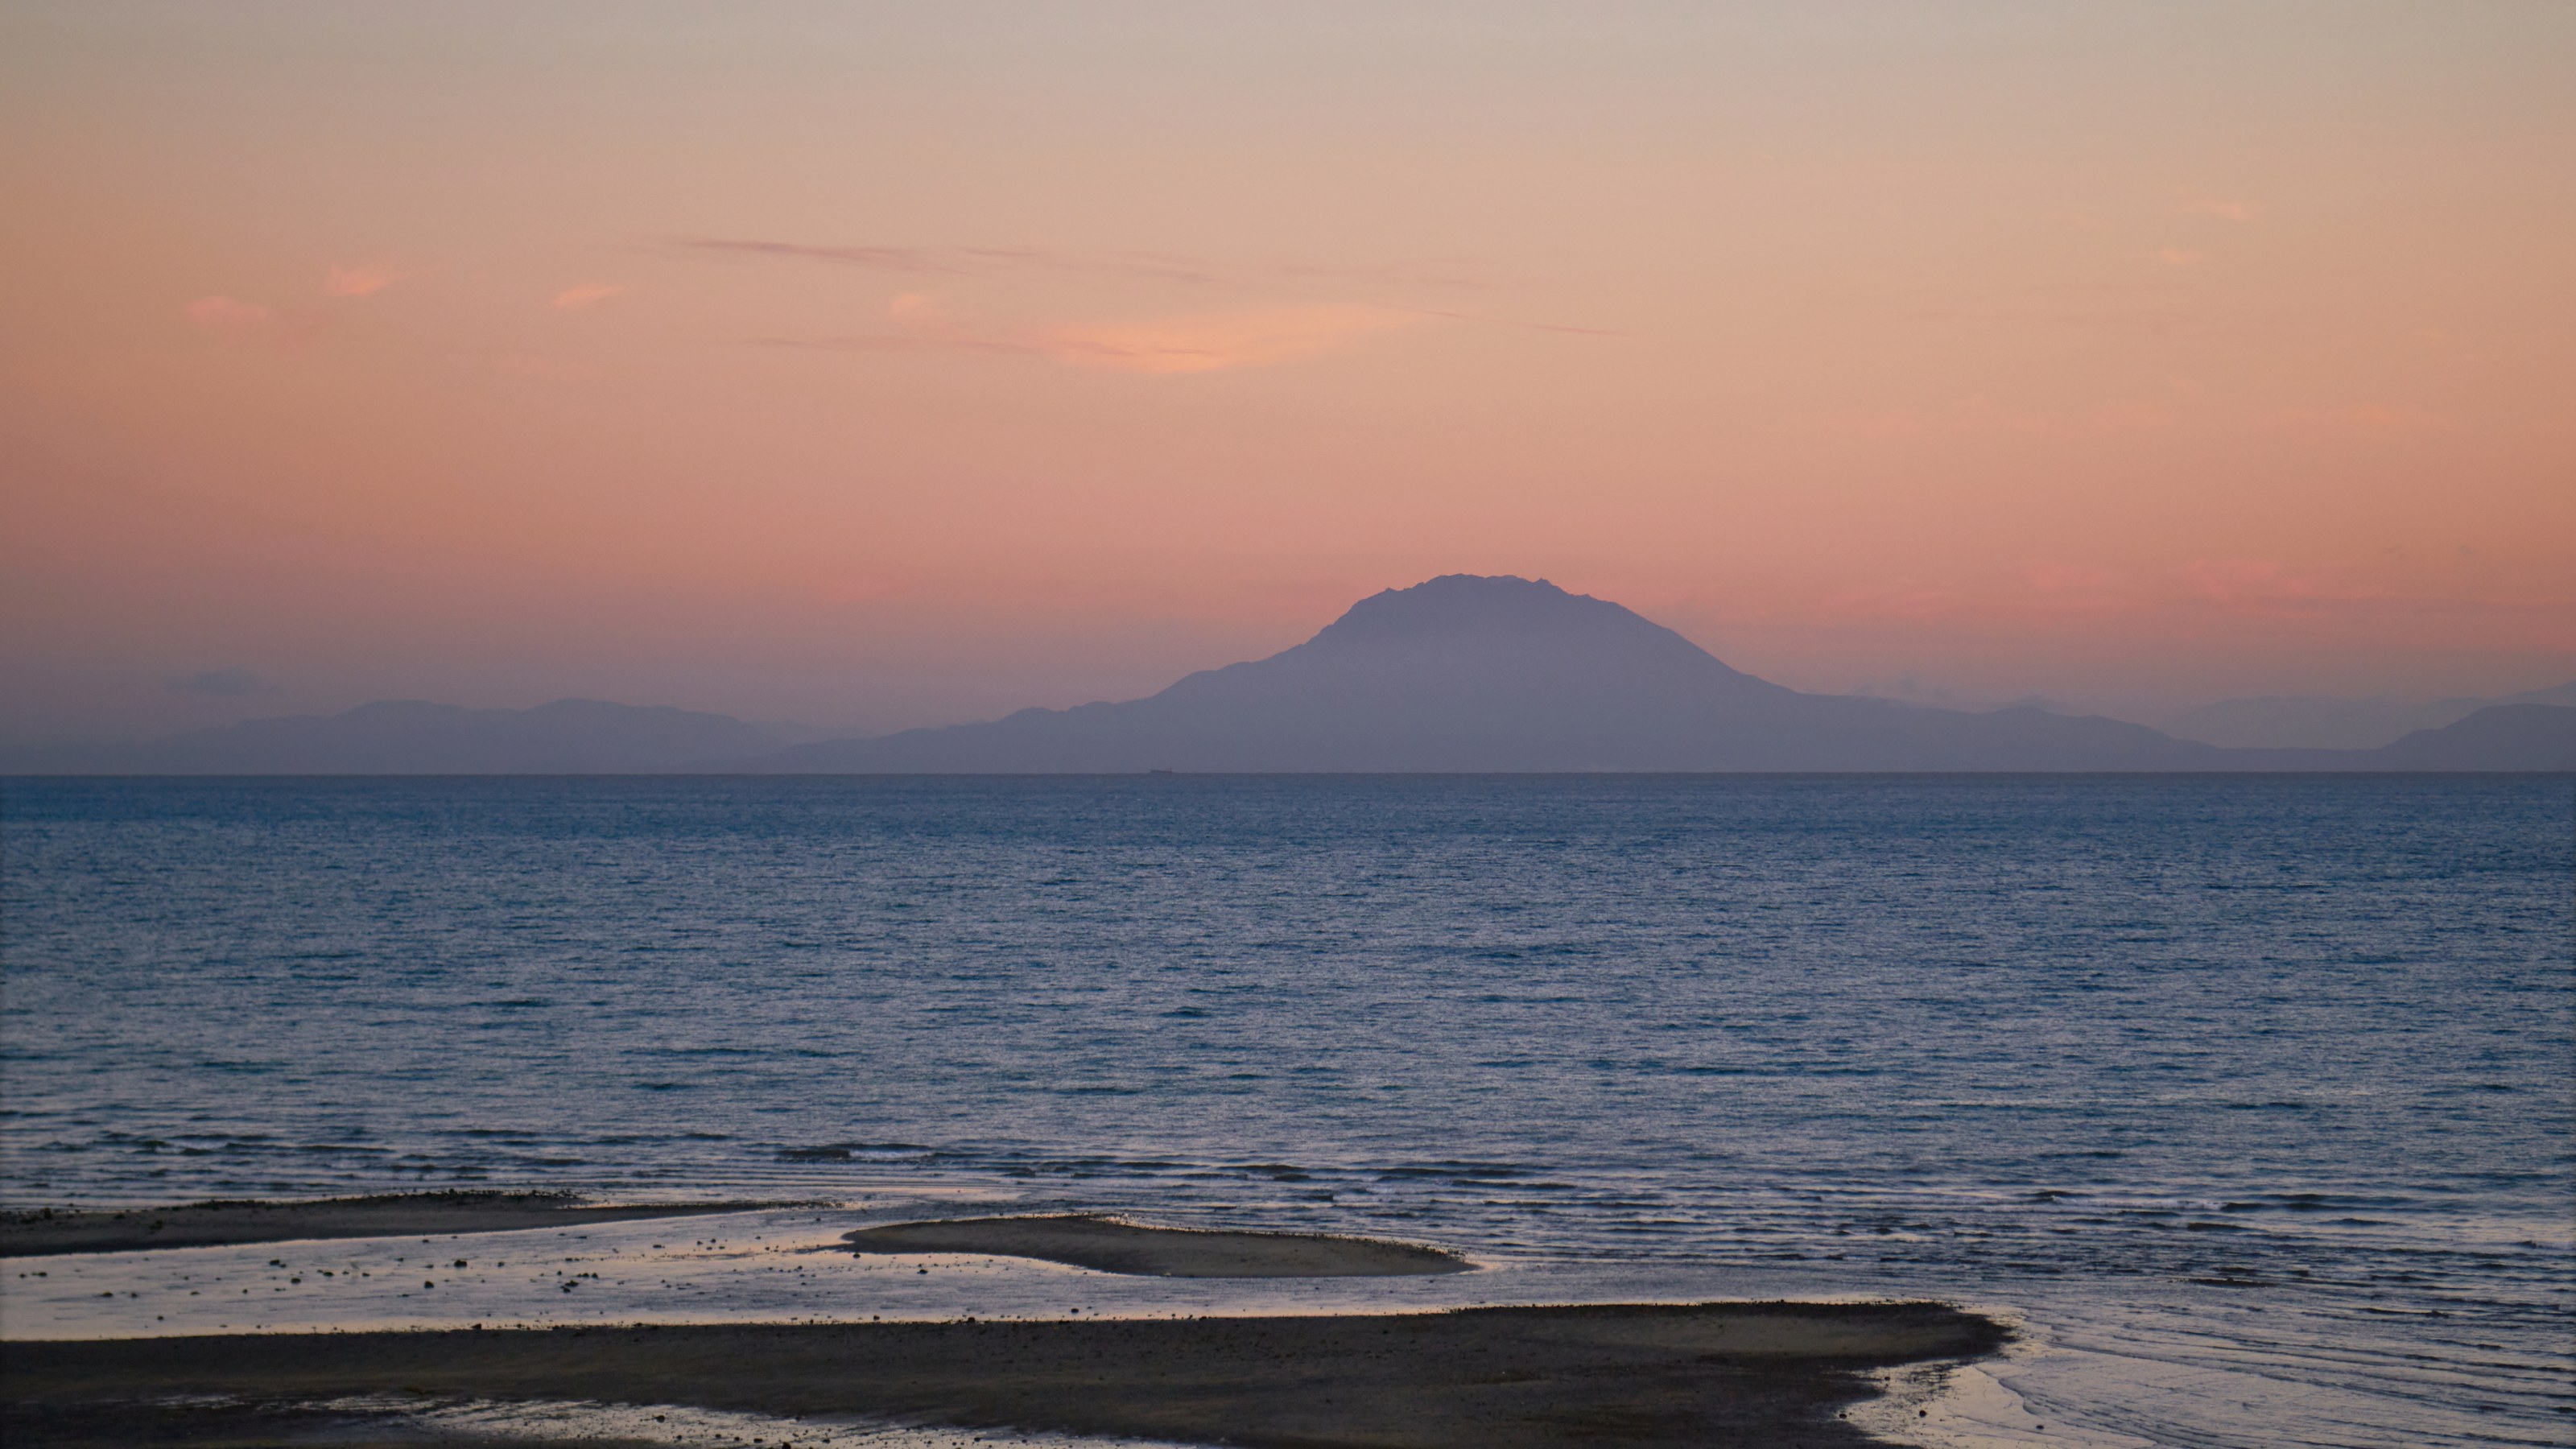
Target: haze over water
2254, 1088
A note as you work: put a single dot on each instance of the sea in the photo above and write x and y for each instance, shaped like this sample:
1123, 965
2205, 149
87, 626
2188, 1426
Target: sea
2250, 1101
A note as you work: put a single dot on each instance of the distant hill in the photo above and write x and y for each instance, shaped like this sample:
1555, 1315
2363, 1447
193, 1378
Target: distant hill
1503, 674
2299, 721
2501, 737
1462, 673
412, 737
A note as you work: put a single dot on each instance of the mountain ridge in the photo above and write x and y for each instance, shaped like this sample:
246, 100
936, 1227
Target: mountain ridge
2320, 722
421, 737
1473, 673
1460, 673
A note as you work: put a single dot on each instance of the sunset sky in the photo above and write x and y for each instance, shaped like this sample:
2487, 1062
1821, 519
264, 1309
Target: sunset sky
884, 365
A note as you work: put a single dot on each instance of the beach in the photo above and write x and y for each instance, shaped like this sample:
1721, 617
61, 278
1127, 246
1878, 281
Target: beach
1772, 1373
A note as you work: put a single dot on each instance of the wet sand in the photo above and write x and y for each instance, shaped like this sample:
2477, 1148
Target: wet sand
1767, 1374
1112, 1246
196, 1225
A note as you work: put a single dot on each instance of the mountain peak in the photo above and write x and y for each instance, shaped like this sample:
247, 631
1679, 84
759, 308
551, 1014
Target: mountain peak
1456, 606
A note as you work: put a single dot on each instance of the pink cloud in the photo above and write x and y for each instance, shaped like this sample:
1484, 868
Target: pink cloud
226, 314
893, 259
363, 281
2067, 591
2179, 256
988, 261
587, 294
1220, 341
921, 323
1200, 342
2266, 586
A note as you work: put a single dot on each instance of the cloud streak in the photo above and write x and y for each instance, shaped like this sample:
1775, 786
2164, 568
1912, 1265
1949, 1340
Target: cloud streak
1212, 342
586, 294
884, 259
2269, 587
1110, 266
365, 280
1194, 342
1220, 341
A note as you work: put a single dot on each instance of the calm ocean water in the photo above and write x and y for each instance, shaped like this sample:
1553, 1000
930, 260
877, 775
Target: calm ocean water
2231, 1086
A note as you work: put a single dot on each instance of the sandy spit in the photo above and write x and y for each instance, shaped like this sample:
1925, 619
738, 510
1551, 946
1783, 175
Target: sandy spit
44, 1231
1769, 1374
1112, 1246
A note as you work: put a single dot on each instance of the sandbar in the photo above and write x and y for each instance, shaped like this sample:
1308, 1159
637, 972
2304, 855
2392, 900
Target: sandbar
1769, 1374
43, 1231
1114, 1246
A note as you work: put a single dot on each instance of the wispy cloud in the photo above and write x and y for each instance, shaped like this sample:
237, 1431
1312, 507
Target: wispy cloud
2179, 256
1319, 303
1197, 342
1128, 266
365, 280
586, 294
1220, 341
2223, 210
2266, 586
902, 342
982, 261
229, 314
921, 325
887, 259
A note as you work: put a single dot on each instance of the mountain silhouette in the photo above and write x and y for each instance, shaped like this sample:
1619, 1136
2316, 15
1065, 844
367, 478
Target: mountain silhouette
2500, 737
2351, 724
413, 737
1468, 673
1459, 674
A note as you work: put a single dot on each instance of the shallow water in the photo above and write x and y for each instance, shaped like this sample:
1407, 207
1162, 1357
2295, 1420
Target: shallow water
2250, 1098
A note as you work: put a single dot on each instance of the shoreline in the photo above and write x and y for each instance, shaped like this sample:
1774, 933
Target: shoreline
45, 1232
1114, 1245
1481, 1378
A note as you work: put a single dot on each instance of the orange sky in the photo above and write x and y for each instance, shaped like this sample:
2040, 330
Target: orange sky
881, 365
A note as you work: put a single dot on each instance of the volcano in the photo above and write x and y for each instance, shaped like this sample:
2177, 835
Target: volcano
1472, 673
